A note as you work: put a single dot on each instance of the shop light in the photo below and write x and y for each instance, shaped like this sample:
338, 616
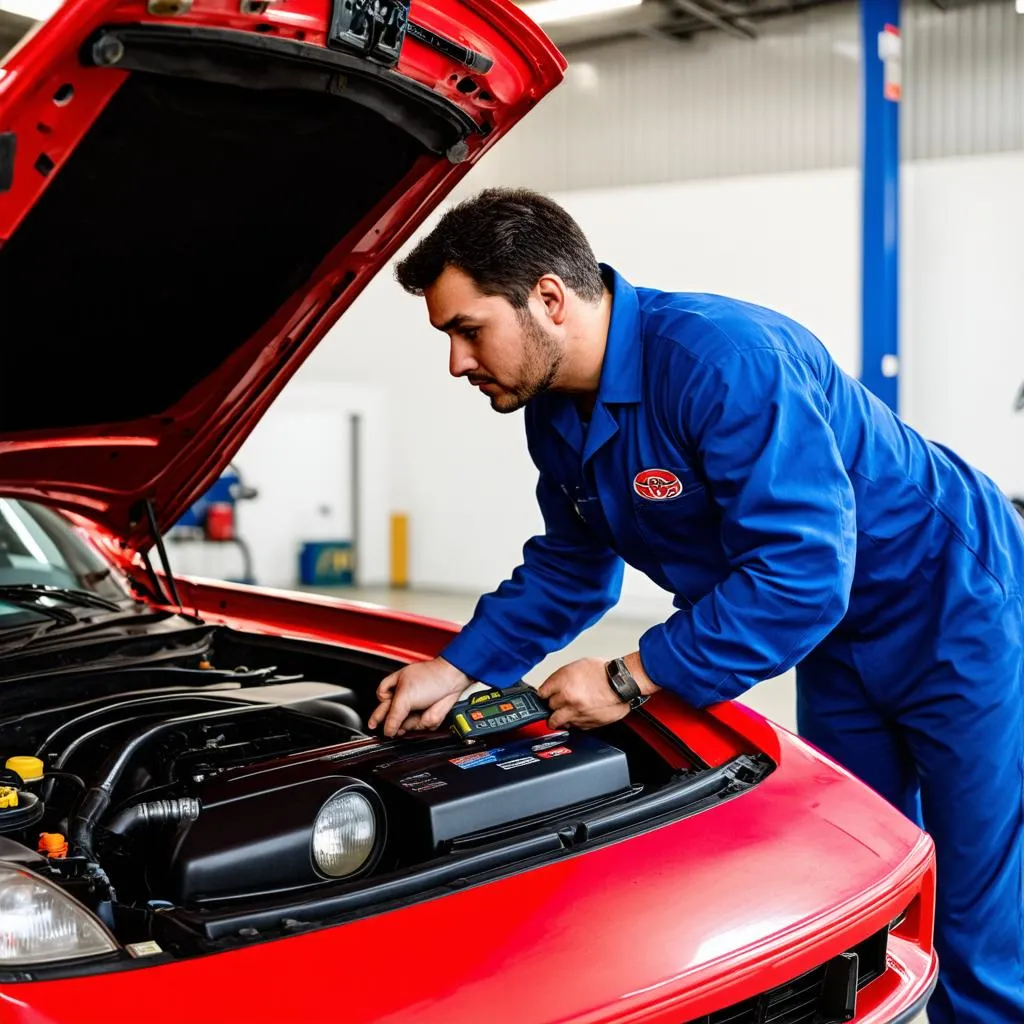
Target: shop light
545, 12
37, 10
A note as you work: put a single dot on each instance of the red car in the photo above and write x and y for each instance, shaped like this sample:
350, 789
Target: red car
195, 824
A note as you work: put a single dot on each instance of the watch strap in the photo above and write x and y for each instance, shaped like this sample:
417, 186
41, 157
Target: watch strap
622, 682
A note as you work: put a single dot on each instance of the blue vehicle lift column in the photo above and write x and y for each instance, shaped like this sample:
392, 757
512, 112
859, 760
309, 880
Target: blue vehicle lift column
880, 37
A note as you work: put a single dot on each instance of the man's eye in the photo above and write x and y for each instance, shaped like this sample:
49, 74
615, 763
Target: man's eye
470, 333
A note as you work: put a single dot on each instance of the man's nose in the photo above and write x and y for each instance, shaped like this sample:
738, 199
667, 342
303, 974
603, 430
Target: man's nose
460, 360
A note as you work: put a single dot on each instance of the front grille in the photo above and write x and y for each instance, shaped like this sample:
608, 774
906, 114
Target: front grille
821, 996
796, 1002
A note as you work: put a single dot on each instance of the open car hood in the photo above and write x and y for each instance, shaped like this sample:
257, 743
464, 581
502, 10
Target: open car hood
192, 192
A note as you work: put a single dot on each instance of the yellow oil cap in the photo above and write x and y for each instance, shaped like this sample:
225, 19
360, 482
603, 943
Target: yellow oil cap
29, 768
8, 797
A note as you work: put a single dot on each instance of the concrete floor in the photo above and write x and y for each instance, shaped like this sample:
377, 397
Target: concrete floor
774, 698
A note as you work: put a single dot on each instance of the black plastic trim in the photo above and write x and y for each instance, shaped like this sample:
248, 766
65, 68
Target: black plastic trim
267, 62
472, 59
673, 798
8, 146
311, 909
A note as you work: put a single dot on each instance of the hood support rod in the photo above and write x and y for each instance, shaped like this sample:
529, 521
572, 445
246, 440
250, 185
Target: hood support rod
164, 560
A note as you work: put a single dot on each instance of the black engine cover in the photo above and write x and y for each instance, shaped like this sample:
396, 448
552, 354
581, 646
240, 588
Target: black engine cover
440, 796
254, 833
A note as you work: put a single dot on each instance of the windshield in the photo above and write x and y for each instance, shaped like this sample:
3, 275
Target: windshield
39, 547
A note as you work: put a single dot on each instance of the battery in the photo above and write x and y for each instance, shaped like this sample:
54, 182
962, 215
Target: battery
440, 796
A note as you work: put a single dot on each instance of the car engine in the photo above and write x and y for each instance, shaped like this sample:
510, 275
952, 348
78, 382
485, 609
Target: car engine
192, 807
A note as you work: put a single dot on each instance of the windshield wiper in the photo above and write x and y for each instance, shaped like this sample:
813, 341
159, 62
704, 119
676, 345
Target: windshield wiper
28, 595
59, 629
33, 597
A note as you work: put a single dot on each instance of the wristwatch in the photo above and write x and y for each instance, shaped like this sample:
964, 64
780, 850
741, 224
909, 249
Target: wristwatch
625, 686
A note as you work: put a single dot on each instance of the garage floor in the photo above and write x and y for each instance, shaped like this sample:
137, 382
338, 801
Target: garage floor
612, 636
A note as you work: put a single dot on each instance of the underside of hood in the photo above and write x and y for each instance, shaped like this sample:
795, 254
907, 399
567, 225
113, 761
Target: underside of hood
194, 200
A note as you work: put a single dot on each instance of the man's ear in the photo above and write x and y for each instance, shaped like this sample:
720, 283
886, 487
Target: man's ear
552, 294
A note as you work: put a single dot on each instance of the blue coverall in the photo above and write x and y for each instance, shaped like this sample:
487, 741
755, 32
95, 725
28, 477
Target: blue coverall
812, 528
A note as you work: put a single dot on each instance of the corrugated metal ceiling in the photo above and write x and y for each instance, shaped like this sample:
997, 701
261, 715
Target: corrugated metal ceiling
684, 19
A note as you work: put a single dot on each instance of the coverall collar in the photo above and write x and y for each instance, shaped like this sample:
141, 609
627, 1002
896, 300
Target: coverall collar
620, 372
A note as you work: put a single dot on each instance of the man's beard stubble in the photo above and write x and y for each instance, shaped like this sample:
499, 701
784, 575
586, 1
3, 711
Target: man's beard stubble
542, 359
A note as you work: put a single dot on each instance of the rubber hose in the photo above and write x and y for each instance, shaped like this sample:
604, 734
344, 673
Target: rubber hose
155, 812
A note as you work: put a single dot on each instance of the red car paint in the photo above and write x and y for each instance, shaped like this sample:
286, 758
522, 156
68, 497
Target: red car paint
676, 922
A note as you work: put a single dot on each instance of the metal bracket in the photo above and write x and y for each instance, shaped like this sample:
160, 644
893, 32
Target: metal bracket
8, 145
375, 29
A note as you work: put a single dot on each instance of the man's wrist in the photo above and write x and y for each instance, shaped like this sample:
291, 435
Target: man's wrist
458, 679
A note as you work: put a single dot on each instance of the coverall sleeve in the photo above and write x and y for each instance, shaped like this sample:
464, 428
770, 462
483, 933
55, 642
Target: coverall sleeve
758, 421
567, 580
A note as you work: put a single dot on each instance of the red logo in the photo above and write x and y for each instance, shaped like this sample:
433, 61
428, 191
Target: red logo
555, 752
657, 484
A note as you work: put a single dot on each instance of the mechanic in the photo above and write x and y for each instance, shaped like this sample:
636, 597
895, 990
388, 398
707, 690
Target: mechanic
716, 446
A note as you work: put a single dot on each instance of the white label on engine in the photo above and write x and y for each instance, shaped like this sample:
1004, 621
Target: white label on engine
518, 762
138, 949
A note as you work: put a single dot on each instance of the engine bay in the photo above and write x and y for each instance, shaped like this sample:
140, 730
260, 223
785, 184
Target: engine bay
195, 806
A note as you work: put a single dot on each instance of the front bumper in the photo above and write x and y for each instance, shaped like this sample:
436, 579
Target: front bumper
911, 1014
902, 993
879, 982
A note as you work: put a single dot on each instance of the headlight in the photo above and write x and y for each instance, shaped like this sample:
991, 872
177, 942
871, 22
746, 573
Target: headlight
345, 834
40, 924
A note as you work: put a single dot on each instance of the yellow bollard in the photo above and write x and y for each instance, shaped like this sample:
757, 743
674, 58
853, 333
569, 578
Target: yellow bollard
399, 550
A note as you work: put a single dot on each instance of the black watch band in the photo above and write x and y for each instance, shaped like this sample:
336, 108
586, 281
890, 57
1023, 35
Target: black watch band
622, 682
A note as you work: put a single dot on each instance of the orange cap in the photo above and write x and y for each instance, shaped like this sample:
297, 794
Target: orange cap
53, 844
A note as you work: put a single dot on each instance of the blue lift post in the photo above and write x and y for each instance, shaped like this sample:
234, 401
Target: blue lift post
881, 64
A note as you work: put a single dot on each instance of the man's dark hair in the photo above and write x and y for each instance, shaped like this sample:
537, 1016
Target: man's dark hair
506, 240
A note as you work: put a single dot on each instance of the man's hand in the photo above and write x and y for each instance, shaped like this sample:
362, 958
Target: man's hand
418, 696
579, 693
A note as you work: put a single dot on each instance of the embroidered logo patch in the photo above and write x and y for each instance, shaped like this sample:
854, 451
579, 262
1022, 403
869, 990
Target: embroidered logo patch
657, 484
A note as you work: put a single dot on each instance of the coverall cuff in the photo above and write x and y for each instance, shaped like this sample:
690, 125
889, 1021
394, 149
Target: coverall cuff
663, 664
481, 660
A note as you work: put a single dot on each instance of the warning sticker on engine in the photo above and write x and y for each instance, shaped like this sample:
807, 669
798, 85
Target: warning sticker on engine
420, 782
554, 752
548, 745
474, 760
517, 762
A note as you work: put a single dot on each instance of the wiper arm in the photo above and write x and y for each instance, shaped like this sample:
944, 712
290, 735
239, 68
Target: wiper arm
28, 594
57, 616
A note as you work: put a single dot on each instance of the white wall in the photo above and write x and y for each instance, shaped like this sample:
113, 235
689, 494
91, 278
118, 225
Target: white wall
963, 295
298, 458
789, 241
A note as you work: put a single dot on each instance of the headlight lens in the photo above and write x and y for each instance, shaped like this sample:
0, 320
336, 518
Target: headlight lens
344, 834
40, 924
